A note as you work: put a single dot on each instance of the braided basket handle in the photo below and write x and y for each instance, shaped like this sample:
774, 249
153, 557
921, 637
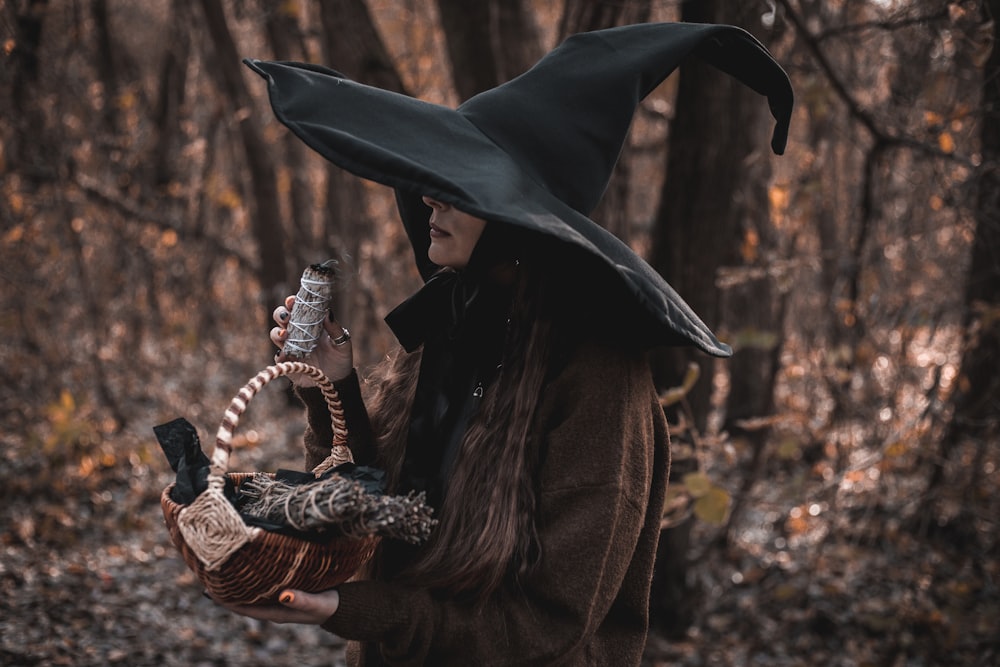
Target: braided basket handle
231, 418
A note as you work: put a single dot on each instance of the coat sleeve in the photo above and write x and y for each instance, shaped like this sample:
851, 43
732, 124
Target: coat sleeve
318, 436
595, 482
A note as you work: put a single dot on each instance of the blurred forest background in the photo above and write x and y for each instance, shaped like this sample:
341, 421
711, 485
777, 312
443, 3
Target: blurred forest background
835, 492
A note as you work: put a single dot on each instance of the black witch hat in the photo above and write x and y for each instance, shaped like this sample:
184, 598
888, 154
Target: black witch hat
536, 152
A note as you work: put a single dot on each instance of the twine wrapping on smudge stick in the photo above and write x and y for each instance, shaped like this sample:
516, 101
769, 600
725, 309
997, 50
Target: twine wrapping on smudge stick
312, 304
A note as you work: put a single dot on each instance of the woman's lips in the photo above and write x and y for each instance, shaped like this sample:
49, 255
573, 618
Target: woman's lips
437, 232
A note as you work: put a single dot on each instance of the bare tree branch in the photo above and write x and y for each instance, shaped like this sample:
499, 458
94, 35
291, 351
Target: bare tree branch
879, 134
100, 194
888, 25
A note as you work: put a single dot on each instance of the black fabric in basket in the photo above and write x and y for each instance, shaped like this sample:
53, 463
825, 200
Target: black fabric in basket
180, 443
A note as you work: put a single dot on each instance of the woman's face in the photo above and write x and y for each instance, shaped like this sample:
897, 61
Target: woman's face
453, 234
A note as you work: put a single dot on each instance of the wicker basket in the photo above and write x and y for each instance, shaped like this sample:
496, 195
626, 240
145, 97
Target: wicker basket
248, 565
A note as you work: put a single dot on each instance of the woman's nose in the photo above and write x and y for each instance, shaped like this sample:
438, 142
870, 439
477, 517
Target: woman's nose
433, 203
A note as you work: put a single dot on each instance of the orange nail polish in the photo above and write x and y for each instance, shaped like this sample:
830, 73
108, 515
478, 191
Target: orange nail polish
287, 597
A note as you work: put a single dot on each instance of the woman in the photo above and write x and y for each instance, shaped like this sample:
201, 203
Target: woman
522, 404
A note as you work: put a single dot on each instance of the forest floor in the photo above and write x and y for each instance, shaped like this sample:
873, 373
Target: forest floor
89, 577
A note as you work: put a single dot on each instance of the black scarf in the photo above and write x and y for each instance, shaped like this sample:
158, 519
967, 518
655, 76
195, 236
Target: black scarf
461, 321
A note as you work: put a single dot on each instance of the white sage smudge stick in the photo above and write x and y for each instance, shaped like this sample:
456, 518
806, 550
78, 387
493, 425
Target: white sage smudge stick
312, 303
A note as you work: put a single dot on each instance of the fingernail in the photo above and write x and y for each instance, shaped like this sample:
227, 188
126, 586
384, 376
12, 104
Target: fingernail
287, 597
283, 315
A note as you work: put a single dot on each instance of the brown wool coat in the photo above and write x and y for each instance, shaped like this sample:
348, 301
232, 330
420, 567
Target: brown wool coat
602, 479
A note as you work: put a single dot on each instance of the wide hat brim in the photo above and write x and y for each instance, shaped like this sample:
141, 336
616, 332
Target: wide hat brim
418, 148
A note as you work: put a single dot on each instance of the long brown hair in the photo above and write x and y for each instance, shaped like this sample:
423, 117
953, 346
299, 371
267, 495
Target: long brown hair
476, 543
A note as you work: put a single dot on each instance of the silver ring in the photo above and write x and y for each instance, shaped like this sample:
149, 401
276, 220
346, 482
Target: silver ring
342, 338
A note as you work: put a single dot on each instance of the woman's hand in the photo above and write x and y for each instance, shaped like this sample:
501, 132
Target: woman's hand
336, 361
295, 607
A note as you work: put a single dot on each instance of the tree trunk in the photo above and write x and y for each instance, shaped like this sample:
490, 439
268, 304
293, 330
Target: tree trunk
352, 45
977, 398
700, 223
583, 16
285, 37
587, 15
752, 309
28, 22
106, 66
25, 23
266, 220
468, 31
173, 80
517, 41
707, 209
488, 42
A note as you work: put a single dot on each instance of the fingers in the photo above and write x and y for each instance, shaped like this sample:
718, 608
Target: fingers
277, 613
333, 327
281, 314
278, 336
339, 336
316, 606
333, 354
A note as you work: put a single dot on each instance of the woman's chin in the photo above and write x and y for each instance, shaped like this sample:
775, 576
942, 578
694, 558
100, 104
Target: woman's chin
445, 259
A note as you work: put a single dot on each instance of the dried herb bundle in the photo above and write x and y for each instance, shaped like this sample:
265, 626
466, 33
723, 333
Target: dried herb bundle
337, 504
